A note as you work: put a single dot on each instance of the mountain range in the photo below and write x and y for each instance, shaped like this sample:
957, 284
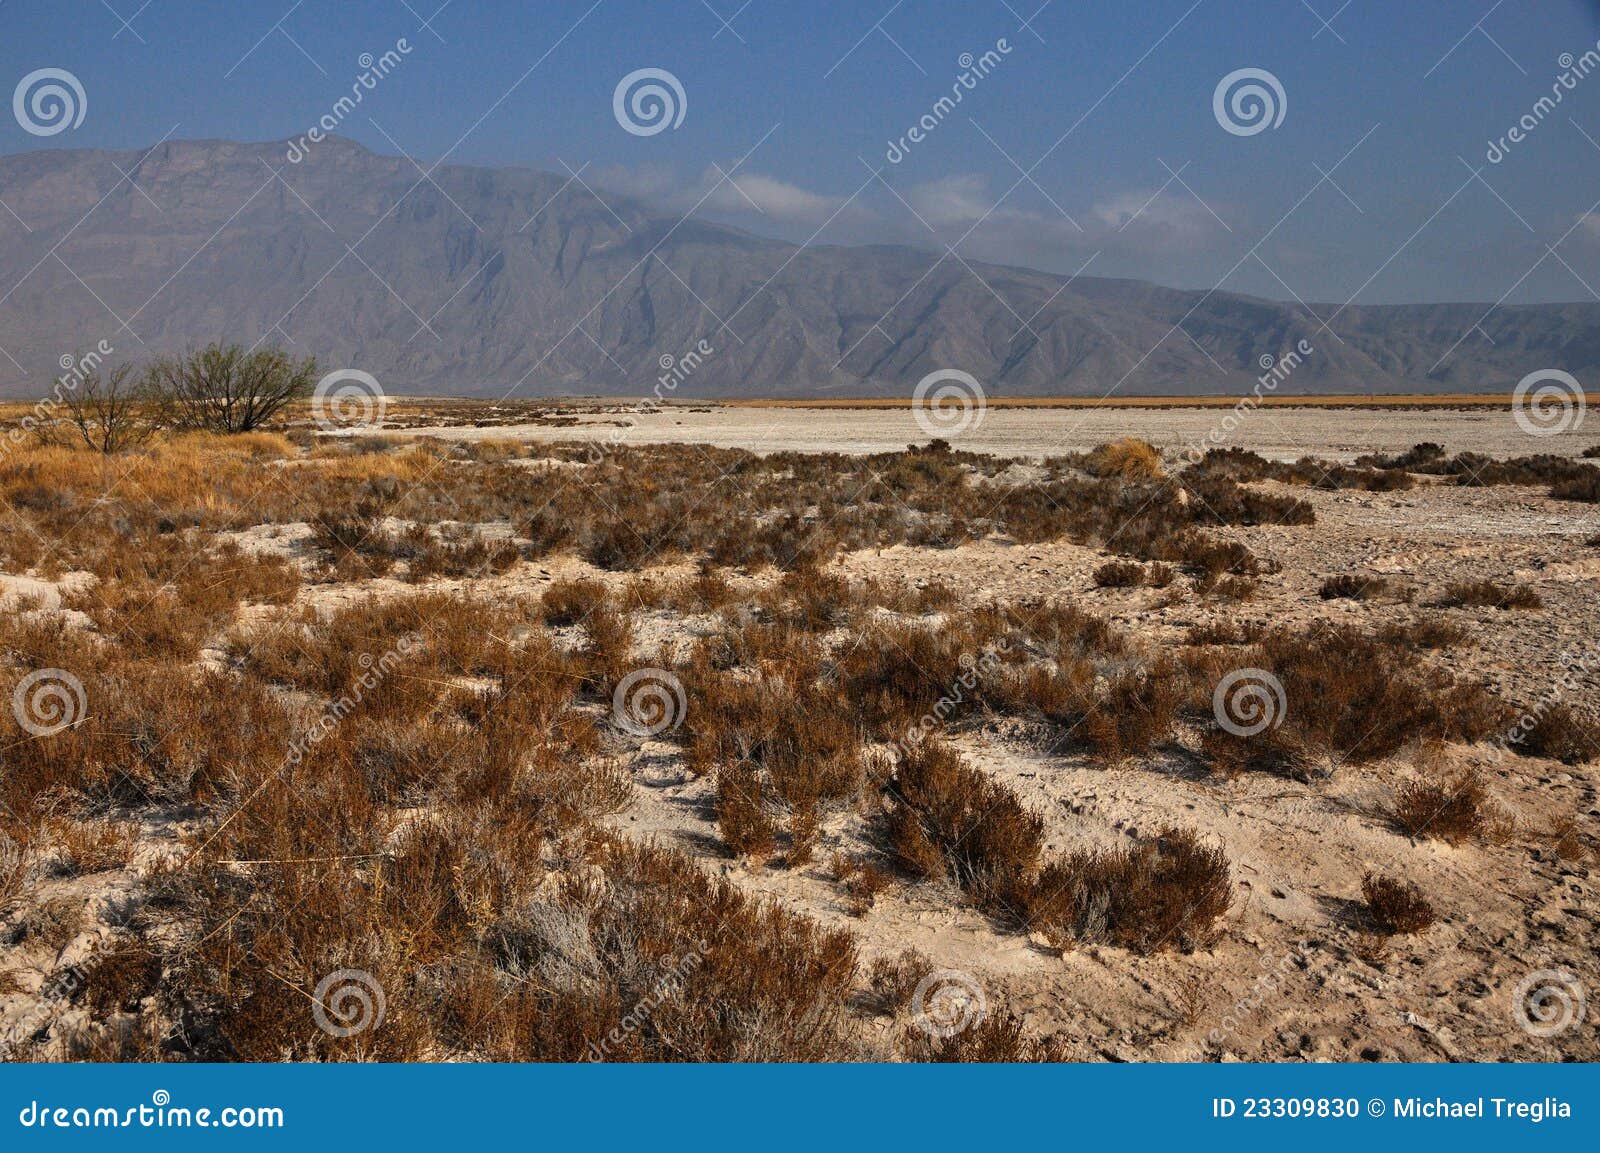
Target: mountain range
481, 281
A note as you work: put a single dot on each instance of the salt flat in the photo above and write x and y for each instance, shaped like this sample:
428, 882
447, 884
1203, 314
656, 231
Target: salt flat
1279, 433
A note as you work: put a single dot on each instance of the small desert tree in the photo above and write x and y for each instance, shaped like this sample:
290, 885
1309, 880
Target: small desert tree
229, 388
112, 412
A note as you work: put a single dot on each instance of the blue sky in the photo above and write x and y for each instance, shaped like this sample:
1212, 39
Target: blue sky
1366, 188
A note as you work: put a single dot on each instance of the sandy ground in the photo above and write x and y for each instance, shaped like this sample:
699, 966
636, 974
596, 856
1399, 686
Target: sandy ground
1277, 433
1293, 976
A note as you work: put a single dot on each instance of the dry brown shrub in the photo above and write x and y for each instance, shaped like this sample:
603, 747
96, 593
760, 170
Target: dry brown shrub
1453, 809
1166, 892
1488, 594
1395, 906
1119, 575
1350, 586
950, 820
1125, 459
1560, 733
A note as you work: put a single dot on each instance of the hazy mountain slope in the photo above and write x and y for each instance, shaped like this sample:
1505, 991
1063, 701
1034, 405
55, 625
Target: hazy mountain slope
485, 279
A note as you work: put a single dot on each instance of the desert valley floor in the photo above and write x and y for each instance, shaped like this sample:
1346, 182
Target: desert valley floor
470, 602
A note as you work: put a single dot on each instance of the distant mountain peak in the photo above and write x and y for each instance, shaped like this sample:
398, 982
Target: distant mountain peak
488, 281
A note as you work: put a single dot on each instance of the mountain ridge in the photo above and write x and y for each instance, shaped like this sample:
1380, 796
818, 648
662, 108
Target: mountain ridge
483, 281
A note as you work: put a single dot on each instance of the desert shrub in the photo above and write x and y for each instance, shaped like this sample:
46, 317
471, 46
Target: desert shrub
1560, 733
1125, 459
893, 980
742, 818
567, 602
1488, 594
229, 388
1165, 892
950, 820
1119, 574
1395, 906
1454, 809
998, 1038
112, 413
1585, 487
1346, 692
1425, 633
1352, 587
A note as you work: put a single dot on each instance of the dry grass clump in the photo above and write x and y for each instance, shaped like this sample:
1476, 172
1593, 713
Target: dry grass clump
1453, 809
1349, 694
1423, 634
1560, 733
1119, 575
84, 847
1166, 892
1125, 459
1349, 586
999, 1038
949, 820
1395, 906
1487, 594
862, 881
569, 602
